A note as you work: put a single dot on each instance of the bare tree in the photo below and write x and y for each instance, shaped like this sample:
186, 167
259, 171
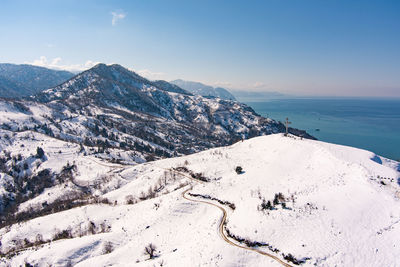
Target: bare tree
150, 250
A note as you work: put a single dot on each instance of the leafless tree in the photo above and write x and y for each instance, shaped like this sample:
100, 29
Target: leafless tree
150, 250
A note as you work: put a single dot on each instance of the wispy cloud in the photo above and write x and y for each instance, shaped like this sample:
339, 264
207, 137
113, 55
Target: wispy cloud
56, 63
116, 16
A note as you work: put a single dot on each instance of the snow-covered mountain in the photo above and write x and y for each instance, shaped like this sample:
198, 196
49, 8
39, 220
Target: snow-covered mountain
293, 201
25, 80
204, 90
111, 113
162, 113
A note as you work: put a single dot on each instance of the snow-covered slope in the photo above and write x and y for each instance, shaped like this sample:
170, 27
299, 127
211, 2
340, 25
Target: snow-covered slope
324, 204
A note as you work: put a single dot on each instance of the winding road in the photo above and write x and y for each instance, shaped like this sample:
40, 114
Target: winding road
222, 223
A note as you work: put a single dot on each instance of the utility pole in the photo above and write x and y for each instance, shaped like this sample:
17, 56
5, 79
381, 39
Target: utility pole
287, 122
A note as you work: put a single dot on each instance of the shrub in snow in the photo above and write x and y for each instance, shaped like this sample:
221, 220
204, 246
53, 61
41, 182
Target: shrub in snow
266, 205
238, 170
290, 258
91, 228
108, 247
280, 197
39, 239
230, 204
150, 157
130, 200
62, 234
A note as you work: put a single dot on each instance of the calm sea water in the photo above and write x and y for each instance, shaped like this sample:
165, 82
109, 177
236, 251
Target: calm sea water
372, 124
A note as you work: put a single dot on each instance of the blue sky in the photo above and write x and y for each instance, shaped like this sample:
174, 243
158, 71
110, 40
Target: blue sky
304, 47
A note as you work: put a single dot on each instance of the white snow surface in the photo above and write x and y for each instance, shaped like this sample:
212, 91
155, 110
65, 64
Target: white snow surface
343, 209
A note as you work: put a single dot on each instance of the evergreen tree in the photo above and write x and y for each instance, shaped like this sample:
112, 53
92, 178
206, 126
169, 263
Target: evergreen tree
39, 153
276, 200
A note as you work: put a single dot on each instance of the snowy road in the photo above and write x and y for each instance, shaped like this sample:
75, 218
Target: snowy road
223, 221
222, 233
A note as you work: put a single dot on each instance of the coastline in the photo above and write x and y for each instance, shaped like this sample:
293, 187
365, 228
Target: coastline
367, 123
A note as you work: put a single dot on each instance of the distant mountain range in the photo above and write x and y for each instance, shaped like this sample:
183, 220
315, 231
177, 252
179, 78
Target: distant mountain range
24, 80
204, 90
253, 96
240, 95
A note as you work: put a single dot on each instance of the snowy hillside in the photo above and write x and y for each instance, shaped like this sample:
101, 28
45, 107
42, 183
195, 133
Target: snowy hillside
295, 201
53, 141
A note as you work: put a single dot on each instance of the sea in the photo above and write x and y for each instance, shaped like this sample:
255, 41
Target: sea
371, 124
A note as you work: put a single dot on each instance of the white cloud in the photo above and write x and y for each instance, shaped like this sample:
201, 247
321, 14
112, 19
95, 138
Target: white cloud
117, 16
151, 75
258, 85
56, 63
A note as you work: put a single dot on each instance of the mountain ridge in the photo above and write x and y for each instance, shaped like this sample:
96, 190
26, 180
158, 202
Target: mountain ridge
24, 80
118, 91
204, 90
